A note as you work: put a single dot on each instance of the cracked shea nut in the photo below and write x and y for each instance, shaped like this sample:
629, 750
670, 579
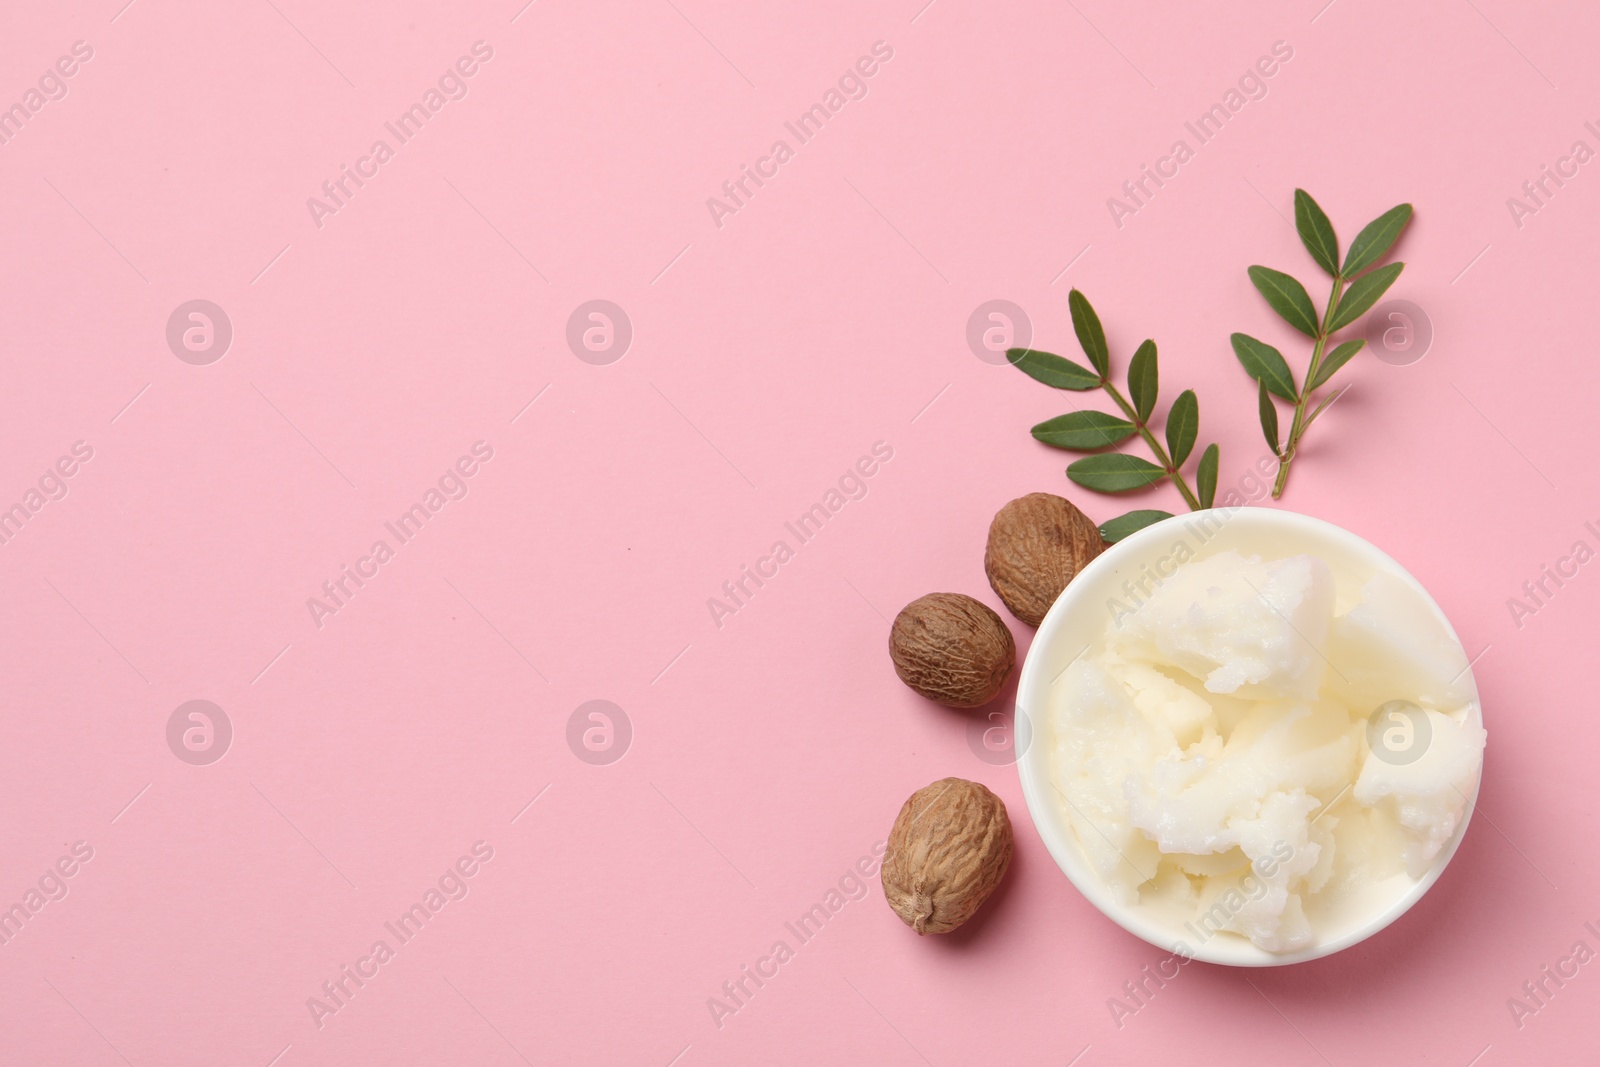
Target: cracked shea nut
949, 848
952, 649
1037, 544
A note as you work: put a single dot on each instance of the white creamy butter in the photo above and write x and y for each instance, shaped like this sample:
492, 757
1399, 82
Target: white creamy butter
1215, 752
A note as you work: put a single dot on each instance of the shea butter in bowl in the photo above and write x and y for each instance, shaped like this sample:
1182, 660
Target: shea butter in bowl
1255, 738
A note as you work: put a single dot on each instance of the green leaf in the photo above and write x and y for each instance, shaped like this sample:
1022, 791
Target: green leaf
1206, 476
1114, 472
1269, 419
1287, 297
1316, 232
1083, 431
1052, 370
1086, 324
1143, 384
1183, 425
1363, 293
1265, 364
1372, 243
1132, 522
1332, 362
1325, 405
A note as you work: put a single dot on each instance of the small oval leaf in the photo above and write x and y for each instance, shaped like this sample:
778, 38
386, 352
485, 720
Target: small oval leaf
1333, 361
1086, 324
1183, 425
1363, 293
1143, 380
1287, 297
1052, 370
1206, 476
1083, 431
1316, 232
1265, 364
1114, 472
1374, 241
1134, 521
1269, 419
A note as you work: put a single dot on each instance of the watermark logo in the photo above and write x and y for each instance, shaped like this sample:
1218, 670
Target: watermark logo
997, 741
52, 485
737, 193
599, 732
599, 332
454, 484
1537, 192
1399, 332
737, 592
199, 332
199, 732
1539, 991
453, 885
50, 887
452, 85
1398, 733
1137, 193
996, 325
51, 86
854, 884
1552, 578
1153, 573
1251, 888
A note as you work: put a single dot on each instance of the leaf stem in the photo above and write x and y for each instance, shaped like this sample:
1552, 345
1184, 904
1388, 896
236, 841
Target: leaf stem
1298, 426
1155, 446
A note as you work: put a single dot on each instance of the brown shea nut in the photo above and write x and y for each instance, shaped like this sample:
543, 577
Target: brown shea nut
952, 649
1037, 544
949, 848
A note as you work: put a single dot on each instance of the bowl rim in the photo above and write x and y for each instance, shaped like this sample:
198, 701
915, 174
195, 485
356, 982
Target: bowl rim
1056, 832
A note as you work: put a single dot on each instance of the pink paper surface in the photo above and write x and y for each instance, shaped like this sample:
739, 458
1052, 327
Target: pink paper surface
378, 340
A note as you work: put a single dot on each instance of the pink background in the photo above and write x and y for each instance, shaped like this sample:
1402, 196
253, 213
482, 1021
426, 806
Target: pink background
768, 355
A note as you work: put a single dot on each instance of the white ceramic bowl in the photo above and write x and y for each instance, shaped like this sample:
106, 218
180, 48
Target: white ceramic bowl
1079, 617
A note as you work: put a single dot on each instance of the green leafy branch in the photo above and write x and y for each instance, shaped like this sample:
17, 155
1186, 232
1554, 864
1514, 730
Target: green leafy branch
1093, 431
1357, 285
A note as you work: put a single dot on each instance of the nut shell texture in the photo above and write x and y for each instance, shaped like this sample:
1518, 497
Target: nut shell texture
949, 848
952, 649
1037, 544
